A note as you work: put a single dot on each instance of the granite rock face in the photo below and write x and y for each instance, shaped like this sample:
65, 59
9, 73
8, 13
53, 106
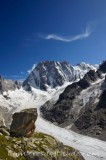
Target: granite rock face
23, 123
52, 74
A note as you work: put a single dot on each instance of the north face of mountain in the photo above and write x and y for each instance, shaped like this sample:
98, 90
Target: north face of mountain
52, 74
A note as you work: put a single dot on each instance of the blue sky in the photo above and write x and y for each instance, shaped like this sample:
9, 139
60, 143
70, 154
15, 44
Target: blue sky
37, 30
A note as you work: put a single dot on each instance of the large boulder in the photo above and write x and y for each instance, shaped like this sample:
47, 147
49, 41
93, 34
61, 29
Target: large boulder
23, 123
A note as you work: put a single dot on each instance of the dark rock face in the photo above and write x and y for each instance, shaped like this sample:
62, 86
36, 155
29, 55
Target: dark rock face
53, 74
105, 78
84, 111
102, 67
23, 123
89, 77
93, 120
28, 87
70, 92
63, 112
18, 84
102, 102
6, 85
84, 83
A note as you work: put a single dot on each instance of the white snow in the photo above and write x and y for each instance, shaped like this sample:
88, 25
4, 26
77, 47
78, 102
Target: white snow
20, 99
90, 148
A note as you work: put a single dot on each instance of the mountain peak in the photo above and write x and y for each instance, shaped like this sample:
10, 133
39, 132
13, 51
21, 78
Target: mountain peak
53, 73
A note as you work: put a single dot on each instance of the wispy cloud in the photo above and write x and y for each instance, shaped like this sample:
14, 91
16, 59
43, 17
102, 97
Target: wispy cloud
83, 35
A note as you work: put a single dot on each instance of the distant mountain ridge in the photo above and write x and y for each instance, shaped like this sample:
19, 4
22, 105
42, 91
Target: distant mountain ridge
52, 74
6, 85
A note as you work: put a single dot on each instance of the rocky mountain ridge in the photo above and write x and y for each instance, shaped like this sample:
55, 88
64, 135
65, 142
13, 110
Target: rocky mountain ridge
48, 74
6, 85
52, 74
81, 106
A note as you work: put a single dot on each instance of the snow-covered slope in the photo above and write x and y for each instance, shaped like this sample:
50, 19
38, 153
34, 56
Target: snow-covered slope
90, 148
13, 101
52, 74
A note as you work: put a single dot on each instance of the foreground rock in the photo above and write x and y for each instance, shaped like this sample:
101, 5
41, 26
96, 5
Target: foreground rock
38, 147
23, 123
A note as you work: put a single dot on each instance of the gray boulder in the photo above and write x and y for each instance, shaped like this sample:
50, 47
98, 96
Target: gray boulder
23, 123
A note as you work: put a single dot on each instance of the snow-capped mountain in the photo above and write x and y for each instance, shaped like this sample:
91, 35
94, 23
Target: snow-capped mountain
52, 74
76, 101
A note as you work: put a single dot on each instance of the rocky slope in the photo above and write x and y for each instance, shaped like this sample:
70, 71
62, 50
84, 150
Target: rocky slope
52, 74
81, 106
38, 147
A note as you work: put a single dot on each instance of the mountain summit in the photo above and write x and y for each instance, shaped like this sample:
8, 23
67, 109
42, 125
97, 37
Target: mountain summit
52, 74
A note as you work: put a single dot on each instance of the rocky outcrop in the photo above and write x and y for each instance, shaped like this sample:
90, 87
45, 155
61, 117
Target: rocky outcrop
38, 147
52, 74
23, 123
6, 85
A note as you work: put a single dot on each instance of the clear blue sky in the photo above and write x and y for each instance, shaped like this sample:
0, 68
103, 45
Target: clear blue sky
37, 30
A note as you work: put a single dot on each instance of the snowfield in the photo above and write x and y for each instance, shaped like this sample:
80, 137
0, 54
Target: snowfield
20, 99
90, 148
